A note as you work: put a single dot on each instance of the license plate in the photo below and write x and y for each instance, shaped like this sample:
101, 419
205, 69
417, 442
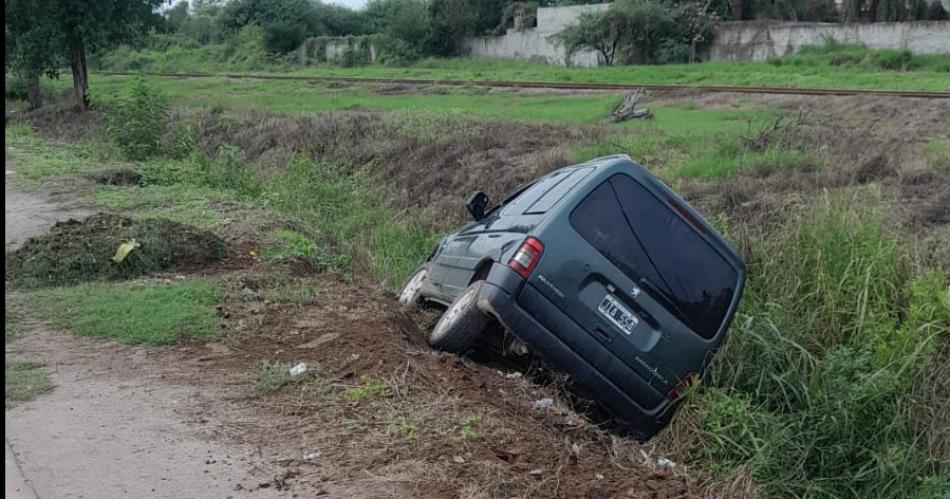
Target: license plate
618, 314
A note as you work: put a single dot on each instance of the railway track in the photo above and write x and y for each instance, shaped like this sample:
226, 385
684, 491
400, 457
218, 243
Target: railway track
553, 85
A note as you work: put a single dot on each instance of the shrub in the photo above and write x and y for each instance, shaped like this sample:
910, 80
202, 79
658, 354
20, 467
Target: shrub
137, 121
894, 60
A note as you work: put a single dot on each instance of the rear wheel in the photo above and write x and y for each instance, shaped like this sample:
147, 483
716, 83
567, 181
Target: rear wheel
461, 324
411, 294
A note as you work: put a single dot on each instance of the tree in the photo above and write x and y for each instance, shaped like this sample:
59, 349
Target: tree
177, 15
99, 25
45, 32
630, 31
33, 44
404, 27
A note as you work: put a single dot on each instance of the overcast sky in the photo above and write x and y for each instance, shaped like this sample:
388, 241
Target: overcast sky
353, 4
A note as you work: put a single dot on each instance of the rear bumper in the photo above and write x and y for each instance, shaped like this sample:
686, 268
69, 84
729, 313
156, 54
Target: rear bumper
498, 297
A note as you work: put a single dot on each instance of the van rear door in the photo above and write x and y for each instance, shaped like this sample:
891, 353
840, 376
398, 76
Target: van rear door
641, 279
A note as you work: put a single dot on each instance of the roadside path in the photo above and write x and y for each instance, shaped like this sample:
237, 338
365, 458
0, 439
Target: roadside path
118, 424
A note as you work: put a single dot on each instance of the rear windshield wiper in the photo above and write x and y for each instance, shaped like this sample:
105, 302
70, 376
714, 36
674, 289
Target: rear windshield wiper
665, 297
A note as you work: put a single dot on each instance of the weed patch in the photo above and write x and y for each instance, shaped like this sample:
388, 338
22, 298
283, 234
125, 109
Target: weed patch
23, 381
75, 251
292, 245
147, 313
816, 384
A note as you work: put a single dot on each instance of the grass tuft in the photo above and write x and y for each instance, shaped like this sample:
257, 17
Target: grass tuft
23, 381
142, 313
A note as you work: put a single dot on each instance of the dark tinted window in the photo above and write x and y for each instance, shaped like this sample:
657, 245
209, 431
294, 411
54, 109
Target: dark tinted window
646, 240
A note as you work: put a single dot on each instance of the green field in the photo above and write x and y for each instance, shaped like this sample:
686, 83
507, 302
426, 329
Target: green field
713, 74
802, 71
821, 389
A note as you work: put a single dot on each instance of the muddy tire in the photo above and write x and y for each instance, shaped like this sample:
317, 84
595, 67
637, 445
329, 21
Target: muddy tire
461, 324
411, 294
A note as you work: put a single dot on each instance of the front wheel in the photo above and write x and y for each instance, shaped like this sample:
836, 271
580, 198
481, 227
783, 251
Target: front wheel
461, 324
411, 294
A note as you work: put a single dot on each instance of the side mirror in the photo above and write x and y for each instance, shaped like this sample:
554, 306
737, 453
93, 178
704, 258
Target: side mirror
476, 205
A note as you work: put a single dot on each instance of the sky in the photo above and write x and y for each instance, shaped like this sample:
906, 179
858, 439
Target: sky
353, 4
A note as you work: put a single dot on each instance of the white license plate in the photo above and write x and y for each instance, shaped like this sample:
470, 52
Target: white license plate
618, 314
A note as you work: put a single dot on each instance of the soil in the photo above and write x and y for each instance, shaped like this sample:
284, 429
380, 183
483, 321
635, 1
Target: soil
29, 214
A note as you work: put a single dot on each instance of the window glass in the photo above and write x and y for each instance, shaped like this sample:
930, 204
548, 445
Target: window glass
651, 244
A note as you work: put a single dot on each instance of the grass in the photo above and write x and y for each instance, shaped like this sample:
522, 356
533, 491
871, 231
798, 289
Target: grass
203, 207
829, 66
10, 327
36, 159
817, 390
940, 153
684, 142
23, 381
146, 313
292, 245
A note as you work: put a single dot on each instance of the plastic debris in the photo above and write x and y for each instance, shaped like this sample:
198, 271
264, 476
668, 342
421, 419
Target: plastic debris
124, 250
536, 472
598, 476
543, 403
311, 456
459, 459
666, 463
514, 375
297, 370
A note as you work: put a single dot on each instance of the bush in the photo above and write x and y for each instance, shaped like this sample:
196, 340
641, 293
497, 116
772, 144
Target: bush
15, 88
895, 60
138, 120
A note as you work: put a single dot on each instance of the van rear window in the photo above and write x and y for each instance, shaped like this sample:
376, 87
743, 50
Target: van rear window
652, 245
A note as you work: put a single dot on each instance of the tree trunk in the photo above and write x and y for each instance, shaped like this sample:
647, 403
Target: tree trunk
33, 92
77, 60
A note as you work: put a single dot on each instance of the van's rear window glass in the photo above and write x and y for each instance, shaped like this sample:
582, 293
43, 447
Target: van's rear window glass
645, 239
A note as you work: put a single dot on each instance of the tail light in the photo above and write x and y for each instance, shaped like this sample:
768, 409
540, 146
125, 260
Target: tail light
681, 387
526, 257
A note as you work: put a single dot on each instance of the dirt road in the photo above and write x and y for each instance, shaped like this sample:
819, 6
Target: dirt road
120, 421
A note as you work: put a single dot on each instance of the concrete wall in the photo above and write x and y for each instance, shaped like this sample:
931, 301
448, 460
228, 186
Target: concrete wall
334, 49
536, 44
760, 40
737, 40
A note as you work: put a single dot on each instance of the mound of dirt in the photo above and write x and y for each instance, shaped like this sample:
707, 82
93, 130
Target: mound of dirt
77, 251
116, 177
62, 121
385, 408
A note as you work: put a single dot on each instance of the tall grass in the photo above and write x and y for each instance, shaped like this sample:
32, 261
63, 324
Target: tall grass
817, 391
347, 209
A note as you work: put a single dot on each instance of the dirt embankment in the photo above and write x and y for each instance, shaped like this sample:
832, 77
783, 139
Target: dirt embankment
428, 165
383, 408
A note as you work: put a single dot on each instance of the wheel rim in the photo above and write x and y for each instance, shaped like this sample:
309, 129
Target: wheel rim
410, 292
452, 314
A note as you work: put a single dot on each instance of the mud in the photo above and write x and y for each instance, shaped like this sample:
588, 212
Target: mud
76, 251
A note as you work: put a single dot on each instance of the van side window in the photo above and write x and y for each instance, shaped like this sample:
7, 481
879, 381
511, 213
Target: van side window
645, 239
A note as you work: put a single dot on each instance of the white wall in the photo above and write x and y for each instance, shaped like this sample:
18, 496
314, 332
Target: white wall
536, 44
758, 40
